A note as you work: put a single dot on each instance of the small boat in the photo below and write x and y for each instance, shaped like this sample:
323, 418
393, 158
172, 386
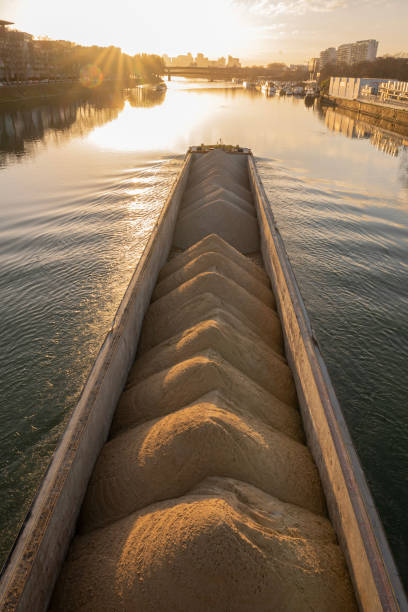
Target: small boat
207, 465
298, 91
268, 88
311, 91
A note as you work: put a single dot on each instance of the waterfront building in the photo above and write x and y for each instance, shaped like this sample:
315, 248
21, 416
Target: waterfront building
328, 56
313, 68
15, 53
351, 88
51, 59
22, 57
313, 64
394, 91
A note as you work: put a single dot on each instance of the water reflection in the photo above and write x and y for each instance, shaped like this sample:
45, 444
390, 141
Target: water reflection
23, 128
145, 97
352, 125
76, 219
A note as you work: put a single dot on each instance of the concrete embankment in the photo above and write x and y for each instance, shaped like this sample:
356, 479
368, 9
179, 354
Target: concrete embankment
206, 497
390, 114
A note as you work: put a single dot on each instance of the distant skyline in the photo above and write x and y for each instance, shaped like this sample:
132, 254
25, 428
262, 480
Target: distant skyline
256, 31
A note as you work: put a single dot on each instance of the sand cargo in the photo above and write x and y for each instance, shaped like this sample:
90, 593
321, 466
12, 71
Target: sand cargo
207, 465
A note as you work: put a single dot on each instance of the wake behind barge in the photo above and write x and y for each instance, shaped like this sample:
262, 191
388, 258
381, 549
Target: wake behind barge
207, 465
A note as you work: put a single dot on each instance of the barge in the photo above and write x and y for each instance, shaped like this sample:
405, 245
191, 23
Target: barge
207, 465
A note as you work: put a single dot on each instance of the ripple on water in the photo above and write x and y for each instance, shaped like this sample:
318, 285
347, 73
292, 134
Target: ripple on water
349, 252
64, 271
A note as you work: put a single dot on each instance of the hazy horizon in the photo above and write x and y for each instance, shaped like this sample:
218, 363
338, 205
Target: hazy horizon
256, 31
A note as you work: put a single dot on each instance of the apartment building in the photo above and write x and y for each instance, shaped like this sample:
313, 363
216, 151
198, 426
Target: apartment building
350, 53
328, 56
15, 53
360, 51
344, 53
364, 51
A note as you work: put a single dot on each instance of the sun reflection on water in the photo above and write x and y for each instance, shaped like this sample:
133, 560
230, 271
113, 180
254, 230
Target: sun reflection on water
154, 129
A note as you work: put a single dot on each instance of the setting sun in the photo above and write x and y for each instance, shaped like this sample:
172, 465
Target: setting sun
157, 26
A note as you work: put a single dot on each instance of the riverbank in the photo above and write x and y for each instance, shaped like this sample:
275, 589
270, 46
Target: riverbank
71, 89
380, 112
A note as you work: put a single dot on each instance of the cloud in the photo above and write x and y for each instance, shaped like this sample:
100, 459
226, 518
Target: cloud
299, 7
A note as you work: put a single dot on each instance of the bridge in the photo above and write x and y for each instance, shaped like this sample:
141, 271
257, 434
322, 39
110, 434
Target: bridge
216, 73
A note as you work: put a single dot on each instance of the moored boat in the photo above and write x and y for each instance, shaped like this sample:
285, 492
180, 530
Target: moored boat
205, 495
269, 88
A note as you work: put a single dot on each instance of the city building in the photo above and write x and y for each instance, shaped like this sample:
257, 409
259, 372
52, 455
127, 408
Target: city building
394, 91
167, 60
201, 61
313, 67
328, 56
360, 51
182, 61
15, 53
344, 53
233, 62
364, 51
50, 59
352, 88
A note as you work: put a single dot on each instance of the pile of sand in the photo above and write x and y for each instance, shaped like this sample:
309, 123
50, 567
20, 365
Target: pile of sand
215, 262
162, 318
218, 193
215, 244
256, 360
235, 165
218, 200
222, 332
166, 457
224, 546
189, 380
235, 225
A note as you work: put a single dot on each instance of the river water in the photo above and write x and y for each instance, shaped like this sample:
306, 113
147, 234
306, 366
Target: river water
81, 185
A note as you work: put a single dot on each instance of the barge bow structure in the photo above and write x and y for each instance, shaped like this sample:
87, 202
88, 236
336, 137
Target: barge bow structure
207, 465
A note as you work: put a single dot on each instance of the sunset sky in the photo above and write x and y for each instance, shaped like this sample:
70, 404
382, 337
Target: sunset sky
255, 30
